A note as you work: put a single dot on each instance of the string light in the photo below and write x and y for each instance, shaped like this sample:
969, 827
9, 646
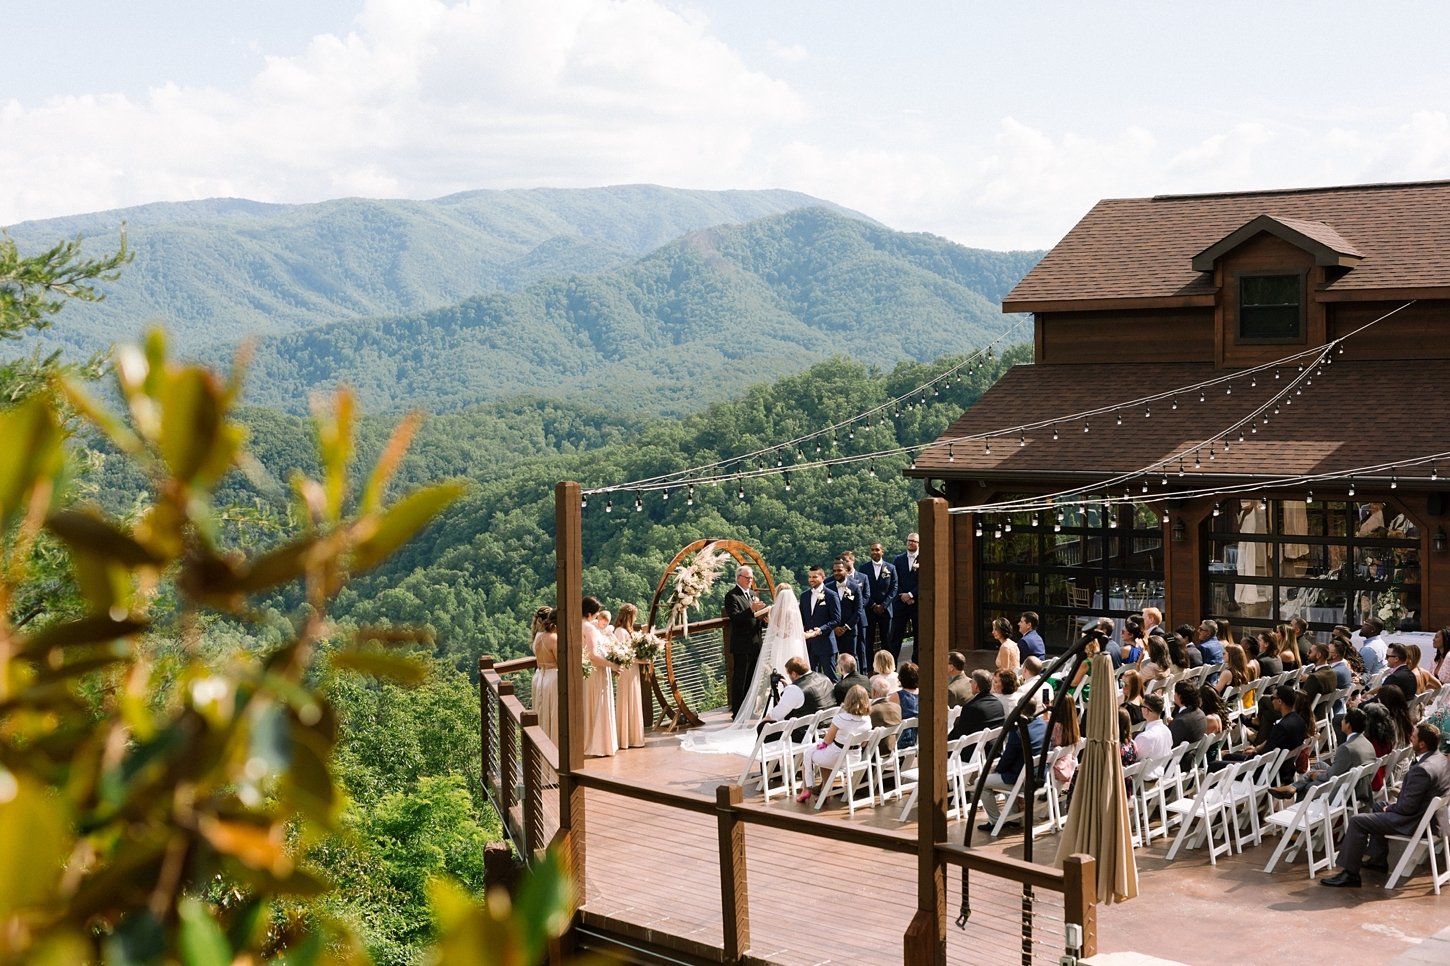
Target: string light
987, 446
1022, 439
1394, 483
608, 506
978, 530
1216, 510
1351, 486
740, 491
690, 495
665, 496
584, 502
787, 479
638, 504
951, 453
1054, 430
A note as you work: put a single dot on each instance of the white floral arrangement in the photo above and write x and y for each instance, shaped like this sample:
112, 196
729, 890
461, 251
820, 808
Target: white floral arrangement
692, 582
586, 666
617, 652
646, 647
1390, 609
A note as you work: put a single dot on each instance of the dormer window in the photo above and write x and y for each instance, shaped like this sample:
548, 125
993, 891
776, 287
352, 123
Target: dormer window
1271, 308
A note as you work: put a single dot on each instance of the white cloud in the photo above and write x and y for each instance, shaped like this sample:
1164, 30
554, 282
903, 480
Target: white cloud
790, 53
421, 98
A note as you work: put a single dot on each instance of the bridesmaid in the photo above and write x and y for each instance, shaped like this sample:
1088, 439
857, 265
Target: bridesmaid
629, 696
546, 675
600, 736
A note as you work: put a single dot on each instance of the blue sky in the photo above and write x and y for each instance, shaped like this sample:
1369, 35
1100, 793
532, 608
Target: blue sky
995, 125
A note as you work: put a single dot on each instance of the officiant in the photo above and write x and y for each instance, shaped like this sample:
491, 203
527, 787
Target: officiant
745, 622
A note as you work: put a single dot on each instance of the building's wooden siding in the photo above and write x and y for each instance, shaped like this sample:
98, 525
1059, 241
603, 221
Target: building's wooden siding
1166, 335
1421, 331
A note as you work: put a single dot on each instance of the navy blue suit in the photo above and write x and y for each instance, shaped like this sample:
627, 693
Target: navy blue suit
853, 618
825, 617
903, 613
880, 600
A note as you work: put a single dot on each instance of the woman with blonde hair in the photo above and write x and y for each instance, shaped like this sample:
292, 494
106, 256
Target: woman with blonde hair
853, 719
885, 667
629, 693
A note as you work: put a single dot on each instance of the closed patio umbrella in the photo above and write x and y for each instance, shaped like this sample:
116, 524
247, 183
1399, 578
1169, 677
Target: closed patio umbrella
1097, 820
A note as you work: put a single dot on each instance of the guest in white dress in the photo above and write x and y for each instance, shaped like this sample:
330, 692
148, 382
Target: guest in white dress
854, 718
545, 692
629, 696
600, 735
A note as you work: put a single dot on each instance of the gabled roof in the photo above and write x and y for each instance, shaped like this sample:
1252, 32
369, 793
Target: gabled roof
1326, 245
1326, 429
1140, 250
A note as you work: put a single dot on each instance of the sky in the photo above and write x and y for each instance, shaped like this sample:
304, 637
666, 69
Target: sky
994, 125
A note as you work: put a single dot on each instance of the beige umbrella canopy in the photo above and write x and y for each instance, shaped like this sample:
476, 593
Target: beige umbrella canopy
1097, 821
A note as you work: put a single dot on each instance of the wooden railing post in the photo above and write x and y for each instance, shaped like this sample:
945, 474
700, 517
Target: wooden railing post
925, 942
1080, 899
486, 728
507, 753
569, 599
734, 892
533, 783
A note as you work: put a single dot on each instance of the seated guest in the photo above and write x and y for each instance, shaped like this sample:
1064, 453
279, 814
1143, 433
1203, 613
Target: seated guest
909, 698
1401, 675
1320, 678
848, 677
885, 667
853, 719
1155, 740
1152, 621
983, 711
1009, 656
1004, 686
1127, 751
1012, 761
884, 712
1155, 664
1209, 645
1031, 669
958, 690
1189, 723
1132, 649
1268, 657
1031, 642
1192, 656
1215, 717
1354, 750
1425, 677
808, 692
1372, 652
1132, 699
1235, 673
1288, 732
1427, 778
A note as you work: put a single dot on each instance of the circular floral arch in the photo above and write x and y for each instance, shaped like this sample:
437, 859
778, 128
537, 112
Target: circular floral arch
667, 592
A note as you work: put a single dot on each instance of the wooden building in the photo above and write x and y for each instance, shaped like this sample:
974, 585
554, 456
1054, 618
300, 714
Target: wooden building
1147, 297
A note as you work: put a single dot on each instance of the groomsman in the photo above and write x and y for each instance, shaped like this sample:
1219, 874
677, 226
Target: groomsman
851, 589
880, 599
821, 615
904, 611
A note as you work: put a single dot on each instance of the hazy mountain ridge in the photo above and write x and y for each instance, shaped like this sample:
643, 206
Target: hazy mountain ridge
691, 323
221, 269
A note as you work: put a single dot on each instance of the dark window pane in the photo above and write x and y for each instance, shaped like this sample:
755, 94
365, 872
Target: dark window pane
1270, 307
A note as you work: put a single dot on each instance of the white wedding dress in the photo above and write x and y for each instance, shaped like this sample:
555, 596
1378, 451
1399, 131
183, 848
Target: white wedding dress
785, 637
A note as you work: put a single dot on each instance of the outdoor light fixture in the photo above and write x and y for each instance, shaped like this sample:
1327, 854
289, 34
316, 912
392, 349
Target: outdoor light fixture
1179, 532
1439, 541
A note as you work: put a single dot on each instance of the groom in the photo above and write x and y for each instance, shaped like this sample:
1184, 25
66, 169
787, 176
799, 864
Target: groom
821, 615
747, 630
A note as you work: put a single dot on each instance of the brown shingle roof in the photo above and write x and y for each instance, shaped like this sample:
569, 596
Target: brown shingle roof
1354, 414
1141, 248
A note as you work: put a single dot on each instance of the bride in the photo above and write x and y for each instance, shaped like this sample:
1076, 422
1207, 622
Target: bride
785, 637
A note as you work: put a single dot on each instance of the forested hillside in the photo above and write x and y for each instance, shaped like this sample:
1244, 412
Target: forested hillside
219, 270
692, 323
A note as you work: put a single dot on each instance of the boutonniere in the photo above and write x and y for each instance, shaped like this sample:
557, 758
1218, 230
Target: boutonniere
913, 565
846, 594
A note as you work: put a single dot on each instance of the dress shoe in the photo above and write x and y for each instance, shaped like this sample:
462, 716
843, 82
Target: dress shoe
1344, 880
1282, 791
986, 827
1375, 865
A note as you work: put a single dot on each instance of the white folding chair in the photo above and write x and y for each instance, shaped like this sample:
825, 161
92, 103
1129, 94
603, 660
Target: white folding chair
1434, 834
851, 769
894, 761
1311, 823
1211, 807
773, 756
1250, 792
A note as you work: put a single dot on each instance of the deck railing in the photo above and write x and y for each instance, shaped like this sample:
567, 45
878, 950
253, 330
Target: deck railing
521, 764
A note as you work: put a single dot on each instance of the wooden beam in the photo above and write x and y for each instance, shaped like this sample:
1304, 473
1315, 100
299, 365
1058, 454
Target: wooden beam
925, 941
569, 599
1080, 899
734, 886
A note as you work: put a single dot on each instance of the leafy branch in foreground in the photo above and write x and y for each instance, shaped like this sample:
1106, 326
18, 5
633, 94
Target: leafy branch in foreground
168, 829
35, 287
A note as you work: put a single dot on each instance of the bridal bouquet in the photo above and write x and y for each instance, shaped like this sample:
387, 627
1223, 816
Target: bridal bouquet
586, 666
692, 581
617, 652
646, 647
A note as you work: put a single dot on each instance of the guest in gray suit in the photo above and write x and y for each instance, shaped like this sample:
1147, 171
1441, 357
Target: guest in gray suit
1354, 750
1428, 777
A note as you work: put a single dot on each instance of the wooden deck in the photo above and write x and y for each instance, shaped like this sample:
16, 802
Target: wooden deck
654, 870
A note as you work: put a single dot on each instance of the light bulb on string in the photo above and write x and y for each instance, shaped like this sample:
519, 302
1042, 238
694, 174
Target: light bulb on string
1309, 498
1210, 453
787, 482
1164, 481
1197, 463
998, 532
584, 502
871, 467
1253, 382
851, 434
1394, 483
740, 491
608, 506
1021, 439
818, 447
638, 504
665, 495
1180, 466
779, 462
951, 453
978, 530
1054, 430
1175, 402
1147, 413
1120, 419
1216, 510
1202, 396
1276, 373
1036, 520
1007, 526
1351, 486
1086, 427
1434, 471
1230, 390
829, 477
690, 495
987, 446
1165, 517
1263, 503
